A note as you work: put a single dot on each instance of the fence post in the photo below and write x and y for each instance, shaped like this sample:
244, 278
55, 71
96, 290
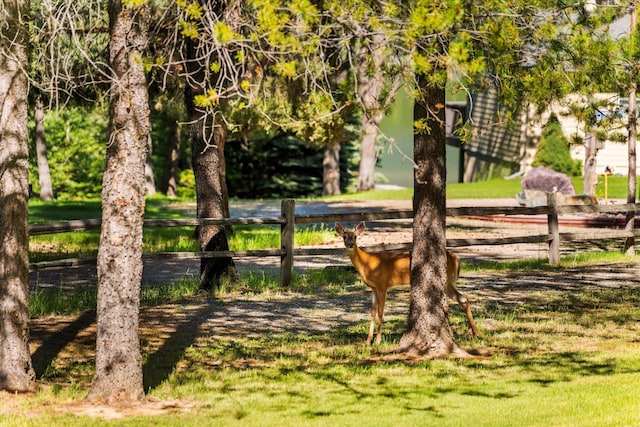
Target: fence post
554, 231
286, 241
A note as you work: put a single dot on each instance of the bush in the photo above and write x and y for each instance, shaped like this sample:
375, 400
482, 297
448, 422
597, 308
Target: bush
553, 150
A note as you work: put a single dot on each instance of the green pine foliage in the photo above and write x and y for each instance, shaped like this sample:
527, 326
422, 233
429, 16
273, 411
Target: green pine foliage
282, 166
553, 150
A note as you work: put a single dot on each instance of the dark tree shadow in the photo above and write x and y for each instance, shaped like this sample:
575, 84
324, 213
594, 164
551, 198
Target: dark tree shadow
161, 363
53, 343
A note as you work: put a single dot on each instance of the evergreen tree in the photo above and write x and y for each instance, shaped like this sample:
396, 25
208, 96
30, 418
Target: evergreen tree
553, 150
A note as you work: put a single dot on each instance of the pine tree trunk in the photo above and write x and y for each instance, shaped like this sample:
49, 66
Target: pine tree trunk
331, 170
170, 173
368, 157
16, 370
371, 77
150, 180
44, 175
212, 202
207, 157
118, 378
590, 164
428, 332
630, 220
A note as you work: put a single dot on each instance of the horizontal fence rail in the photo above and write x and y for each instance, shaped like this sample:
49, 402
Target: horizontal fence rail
288, 220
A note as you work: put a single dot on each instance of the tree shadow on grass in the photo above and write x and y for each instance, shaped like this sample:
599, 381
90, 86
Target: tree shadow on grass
53, 343
162, 362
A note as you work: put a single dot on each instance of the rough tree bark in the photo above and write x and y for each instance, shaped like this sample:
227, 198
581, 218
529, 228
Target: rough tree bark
209, 169
118, 378
428, 331
331, 170
211, 199
44, 175
16, 370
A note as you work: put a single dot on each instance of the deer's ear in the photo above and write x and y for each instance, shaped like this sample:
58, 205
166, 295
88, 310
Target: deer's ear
339, 229
360, 228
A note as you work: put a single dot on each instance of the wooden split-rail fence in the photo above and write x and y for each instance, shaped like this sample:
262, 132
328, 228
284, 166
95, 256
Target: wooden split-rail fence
288, 220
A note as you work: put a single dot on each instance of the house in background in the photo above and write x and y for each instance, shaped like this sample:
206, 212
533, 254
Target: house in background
611, 155
494, 149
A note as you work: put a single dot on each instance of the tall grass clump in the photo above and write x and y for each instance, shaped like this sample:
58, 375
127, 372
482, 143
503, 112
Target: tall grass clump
59, 301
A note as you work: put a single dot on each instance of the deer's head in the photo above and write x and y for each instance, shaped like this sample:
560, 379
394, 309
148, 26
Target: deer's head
349, 237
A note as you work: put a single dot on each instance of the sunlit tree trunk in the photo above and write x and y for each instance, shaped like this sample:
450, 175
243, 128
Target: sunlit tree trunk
368, 153
118, 377
376, 95
590, 164
44, 175
331, 170
16, 370
629, 244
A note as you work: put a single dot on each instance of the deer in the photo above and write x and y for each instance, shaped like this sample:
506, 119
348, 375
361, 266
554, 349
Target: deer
383, 270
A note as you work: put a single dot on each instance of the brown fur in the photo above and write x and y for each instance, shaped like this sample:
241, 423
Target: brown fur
383, 270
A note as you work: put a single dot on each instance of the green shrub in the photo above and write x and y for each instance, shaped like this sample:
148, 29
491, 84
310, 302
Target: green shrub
553, 150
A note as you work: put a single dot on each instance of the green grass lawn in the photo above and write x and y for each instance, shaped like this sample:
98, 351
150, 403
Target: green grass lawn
554, 360
498, 188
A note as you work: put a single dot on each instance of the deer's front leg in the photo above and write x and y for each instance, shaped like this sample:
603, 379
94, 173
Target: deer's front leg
382, 297
374, 309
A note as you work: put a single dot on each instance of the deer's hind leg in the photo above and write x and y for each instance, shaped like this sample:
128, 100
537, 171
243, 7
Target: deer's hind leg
464, 303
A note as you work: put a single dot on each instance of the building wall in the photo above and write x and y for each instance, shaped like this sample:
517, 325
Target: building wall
613, 155
497, 149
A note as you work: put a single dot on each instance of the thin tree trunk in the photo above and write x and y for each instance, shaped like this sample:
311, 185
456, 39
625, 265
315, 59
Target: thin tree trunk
16, 369
331, 170
118, 377
150, 180
629, 244
44, 175
368, 155
170, 173
428, 331
212, 202
371, 79
590, 164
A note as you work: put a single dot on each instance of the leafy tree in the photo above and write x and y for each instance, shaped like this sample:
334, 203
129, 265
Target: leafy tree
76, 153
516, 47
16, 370
553, 150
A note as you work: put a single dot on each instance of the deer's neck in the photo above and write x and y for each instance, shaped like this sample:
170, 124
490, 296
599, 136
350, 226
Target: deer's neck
359, 258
